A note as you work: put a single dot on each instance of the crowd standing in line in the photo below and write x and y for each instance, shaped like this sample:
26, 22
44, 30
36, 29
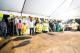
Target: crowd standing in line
33, 26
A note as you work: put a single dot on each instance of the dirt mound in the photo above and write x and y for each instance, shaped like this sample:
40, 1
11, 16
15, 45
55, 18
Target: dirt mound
61, 42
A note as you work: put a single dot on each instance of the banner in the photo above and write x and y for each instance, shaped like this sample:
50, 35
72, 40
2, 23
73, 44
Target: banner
1, 16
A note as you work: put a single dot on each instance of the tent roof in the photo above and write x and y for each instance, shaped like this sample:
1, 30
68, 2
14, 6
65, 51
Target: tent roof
59, 8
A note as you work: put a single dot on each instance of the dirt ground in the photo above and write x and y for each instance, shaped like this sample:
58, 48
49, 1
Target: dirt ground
53, 42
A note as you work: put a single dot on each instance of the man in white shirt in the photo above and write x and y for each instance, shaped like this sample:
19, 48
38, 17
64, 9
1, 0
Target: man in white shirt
31, 26
74, 25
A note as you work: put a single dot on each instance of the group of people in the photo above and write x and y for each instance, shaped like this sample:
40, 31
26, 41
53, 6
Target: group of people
32, 26
56, 25
37, 25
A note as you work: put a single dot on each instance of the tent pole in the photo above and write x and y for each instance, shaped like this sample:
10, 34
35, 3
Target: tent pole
21, 14
23, 7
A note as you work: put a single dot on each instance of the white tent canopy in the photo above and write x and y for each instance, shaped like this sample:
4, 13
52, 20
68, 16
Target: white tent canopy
49, 8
